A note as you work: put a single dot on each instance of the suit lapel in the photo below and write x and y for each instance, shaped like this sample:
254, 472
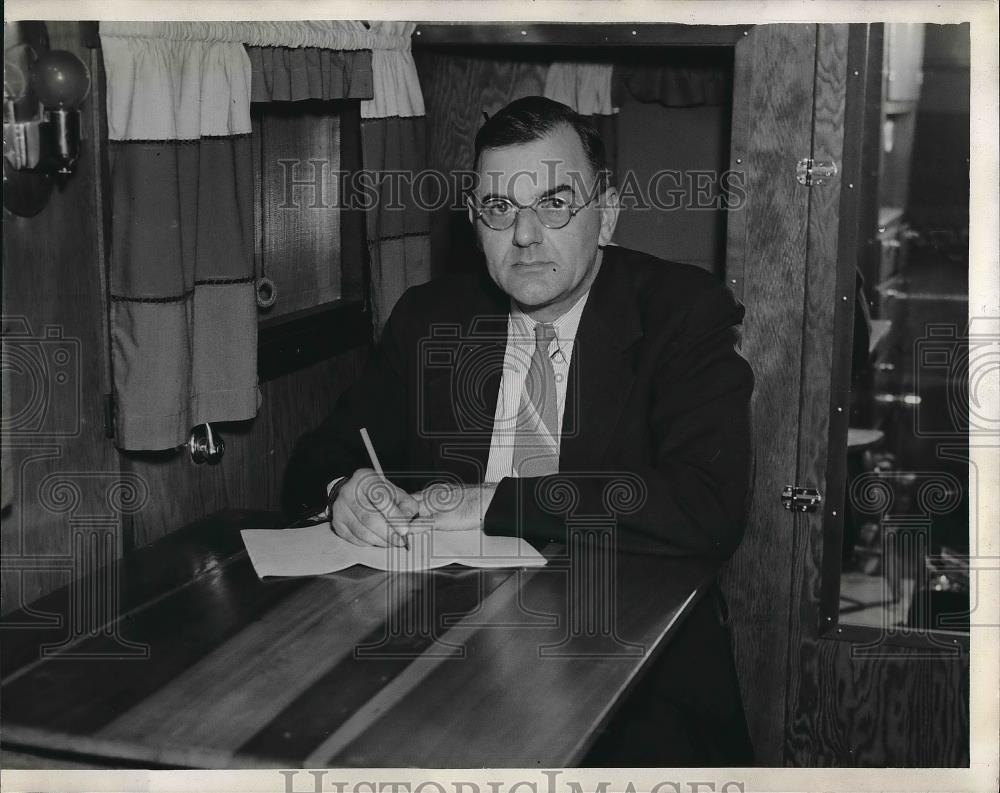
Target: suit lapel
463, 381
601, 372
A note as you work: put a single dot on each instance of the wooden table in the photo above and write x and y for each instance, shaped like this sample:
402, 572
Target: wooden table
201, 664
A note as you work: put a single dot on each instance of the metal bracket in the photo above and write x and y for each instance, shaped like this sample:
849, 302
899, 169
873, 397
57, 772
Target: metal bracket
801, 499
812, 172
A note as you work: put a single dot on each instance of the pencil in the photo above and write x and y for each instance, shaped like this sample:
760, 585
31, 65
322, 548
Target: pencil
378, 470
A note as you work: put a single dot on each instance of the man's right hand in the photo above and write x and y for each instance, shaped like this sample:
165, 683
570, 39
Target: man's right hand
369, 510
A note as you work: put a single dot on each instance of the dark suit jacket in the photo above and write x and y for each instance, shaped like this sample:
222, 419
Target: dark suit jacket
655, 435
655, 431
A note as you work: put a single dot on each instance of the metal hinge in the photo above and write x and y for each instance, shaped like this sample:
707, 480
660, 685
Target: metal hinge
813, 172
801, 499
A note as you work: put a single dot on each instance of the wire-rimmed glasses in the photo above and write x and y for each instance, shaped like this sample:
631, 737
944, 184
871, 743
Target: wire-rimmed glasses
553, 211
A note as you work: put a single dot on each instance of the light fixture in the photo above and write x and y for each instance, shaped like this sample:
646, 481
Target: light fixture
51, 140
43, 90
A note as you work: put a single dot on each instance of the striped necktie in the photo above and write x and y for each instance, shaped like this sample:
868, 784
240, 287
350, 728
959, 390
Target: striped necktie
536, 443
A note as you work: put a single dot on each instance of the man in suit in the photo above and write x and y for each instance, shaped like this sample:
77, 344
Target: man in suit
570, 360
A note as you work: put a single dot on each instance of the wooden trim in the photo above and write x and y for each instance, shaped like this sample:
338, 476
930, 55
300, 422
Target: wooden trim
739, 148
873, 215
853, 216
301, 338
90, 34
354, 259
776, 112
950, 644
579, 35
295, 341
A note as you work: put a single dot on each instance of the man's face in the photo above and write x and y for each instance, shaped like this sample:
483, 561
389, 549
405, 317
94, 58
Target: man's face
544, 270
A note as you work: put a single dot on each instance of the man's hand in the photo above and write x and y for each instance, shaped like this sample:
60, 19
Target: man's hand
369, 510
455, 507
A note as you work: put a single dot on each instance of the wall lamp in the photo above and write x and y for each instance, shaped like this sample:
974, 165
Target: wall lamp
41, 123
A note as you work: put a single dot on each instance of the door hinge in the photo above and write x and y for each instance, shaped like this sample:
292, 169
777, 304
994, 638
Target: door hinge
801, 499
813, 172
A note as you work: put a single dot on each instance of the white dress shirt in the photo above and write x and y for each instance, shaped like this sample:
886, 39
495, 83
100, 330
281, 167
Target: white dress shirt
517, 358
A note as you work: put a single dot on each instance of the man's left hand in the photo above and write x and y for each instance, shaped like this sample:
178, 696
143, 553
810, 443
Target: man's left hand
455, 507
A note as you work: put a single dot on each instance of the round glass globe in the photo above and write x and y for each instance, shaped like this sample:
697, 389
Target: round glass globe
60, 79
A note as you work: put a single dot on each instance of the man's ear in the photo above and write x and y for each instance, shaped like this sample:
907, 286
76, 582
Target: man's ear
609, 215
476, 231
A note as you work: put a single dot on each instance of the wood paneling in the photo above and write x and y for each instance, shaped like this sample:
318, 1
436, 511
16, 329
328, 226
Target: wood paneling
65, 473
756, 582
300, 201
735, 218
899, 710
458, 88
827, 285
250, 473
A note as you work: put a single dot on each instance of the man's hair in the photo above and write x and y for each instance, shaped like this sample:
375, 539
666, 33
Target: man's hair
531, 118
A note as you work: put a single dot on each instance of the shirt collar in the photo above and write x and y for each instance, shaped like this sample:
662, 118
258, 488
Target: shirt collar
566, 325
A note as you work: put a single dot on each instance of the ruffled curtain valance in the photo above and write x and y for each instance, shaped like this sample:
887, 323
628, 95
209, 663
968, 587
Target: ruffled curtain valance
395, 87
175, 89
295, 74
585, 87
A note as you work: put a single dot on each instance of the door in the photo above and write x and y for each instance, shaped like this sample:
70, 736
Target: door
789, 94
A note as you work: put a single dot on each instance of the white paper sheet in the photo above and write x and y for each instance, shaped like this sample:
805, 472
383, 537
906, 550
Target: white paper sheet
316, 550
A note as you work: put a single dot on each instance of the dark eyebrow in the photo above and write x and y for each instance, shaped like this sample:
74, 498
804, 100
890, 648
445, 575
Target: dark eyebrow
560, 188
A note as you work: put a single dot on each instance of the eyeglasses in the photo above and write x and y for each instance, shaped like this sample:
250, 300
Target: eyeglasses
554, 212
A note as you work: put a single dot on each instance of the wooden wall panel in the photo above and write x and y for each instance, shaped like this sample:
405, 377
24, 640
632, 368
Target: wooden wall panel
64, 469
899, 710
300, 202
817, 356
771, 261
458, 88
250, 473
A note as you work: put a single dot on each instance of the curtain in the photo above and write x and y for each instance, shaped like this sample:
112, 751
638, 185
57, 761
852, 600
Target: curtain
393, 138
290, 74
183, 319
587, 88
698, 81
